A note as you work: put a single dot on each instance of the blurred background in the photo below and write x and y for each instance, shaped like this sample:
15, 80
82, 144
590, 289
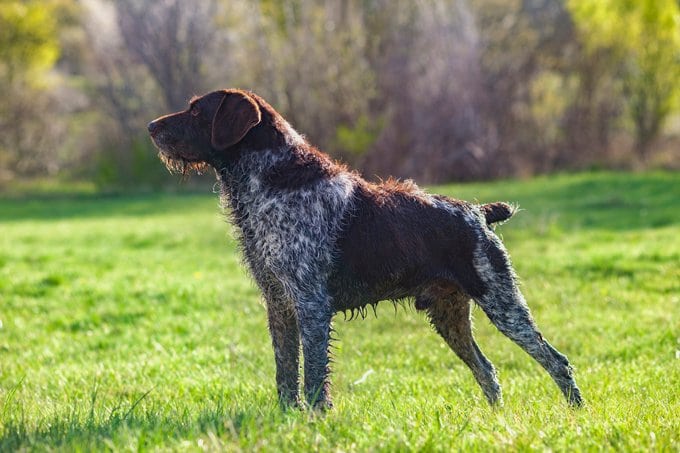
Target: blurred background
436, 90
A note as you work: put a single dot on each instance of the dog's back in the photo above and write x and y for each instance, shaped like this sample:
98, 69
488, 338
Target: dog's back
399, 242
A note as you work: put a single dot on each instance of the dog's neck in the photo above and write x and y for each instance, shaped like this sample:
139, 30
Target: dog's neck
272, 158
264, 146
258, 176
251, 165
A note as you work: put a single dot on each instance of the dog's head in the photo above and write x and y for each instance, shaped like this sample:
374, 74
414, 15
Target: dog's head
214, 129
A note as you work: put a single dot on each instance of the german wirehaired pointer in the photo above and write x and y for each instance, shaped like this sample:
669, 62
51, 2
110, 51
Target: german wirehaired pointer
319, 239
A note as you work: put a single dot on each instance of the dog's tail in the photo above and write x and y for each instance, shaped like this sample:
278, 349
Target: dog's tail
497, 212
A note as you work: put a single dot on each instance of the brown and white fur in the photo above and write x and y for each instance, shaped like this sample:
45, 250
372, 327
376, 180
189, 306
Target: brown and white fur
319, 239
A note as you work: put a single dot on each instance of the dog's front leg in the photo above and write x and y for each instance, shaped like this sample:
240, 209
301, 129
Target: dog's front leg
283, 327
314, 319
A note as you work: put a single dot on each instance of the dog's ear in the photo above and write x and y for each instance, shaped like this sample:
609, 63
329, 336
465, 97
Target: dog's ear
236, 115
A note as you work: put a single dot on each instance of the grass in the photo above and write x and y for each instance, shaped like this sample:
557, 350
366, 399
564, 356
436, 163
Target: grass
127, 323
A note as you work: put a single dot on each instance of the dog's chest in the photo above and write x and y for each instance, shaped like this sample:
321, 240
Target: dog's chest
292, 234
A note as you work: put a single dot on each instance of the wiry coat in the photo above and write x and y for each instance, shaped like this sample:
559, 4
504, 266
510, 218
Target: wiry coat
319, 239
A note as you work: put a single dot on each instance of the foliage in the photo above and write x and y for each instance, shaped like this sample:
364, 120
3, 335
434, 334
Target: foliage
28, 38
30, 124
127, 323
316, 71
436, 90
357, 140
645, 38
139, 169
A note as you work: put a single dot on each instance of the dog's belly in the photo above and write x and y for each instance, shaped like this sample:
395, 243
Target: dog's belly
348, 293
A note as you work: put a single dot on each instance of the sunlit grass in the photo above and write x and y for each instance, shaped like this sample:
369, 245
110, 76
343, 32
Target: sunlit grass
128, 323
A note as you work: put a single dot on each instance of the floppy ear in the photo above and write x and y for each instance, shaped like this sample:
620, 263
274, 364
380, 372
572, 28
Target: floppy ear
236, 115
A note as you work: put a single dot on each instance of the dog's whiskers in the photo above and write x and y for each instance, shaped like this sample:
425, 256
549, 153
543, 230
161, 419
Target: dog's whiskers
178, 165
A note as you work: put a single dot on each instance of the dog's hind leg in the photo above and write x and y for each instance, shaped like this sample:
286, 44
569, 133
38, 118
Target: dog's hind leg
451, 319
505, 306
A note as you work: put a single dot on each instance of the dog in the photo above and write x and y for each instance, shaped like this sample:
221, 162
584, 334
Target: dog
319, 239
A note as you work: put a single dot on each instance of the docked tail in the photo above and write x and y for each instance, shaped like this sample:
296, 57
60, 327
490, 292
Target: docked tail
497, 212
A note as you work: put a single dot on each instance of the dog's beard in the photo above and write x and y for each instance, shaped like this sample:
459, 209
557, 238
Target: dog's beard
181, 165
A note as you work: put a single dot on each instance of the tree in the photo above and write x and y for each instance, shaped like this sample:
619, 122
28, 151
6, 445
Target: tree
311, 63
28, 38
644, 37
172, 39
426, 56
29, 48
146, 59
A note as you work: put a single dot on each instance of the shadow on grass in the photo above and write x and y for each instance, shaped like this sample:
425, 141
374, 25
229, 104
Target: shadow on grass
101, 205
606, 200
153, 428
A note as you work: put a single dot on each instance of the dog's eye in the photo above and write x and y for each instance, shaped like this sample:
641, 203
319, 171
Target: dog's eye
194, 110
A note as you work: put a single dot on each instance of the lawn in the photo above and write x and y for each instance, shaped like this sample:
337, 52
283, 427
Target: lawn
128, 323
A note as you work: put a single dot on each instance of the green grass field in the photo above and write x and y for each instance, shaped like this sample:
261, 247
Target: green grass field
127, 323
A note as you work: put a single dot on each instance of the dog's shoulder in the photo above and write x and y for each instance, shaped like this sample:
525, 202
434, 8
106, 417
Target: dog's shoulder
302, 167
295, 186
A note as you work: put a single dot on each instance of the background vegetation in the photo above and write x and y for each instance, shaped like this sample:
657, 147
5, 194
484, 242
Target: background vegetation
126, 327
127, 323
433, 89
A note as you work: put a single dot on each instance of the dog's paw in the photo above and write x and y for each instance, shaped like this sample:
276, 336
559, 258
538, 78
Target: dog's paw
322, 406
